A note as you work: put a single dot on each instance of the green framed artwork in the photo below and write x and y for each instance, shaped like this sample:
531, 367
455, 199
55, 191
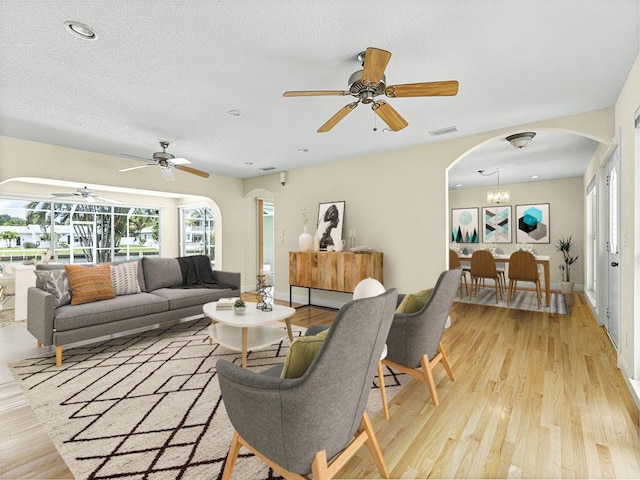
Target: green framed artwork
464, 225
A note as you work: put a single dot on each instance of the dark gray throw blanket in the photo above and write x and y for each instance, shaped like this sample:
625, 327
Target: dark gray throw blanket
197, 273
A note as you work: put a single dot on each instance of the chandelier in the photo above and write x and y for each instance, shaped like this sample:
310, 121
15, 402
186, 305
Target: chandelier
498, 195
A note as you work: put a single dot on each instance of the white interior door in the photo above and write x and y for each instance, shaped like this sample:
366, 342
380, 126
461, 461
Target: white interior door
611, 319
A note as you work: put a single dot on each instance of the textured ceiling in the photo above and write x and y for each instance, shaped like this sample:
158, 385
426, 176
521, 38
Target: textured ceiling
172, 70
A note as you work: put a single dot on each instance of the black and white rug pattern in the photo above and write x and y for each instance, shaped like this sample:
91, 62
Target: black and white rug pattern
148, 405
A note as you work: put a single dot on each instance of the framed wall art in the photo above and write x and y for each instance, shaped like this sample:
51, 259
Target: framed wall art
496, 224
464, 225
532, 223
330, 223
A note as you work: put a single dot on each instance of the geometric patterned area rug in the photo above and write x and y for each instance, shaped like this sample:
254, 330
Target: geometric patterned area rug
148, 405
522, 300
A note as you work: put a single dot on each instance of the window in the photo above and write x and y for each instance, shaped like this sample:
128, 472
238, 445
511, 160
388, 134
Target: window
81, 233
198, 231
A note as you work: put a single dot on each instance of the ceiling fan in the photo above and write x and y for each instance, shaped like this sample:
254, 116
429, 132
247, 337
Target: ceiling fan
84, 193
368, 83
165, 161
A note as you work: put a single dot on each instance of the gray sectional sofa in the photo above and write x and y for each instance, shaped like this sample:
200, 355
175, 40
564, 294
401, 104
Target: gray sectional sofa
163, 297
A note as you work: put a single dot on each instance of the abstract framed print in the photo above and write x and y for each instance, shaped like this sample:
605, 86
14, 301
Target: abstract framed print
464, 225
496, 224
533, 223
330, 223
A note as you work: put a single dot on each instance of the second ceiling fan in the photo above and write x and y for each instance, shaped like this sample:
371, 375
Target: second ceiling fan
368, 83
166, 161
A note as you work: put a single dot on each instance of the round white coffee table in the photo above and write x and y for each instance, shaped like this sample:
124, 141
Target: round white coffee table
254, 329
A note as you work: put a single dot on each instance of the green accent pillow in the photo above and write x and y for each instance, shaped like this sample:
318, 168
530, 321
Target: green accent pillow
413, 302
301, 353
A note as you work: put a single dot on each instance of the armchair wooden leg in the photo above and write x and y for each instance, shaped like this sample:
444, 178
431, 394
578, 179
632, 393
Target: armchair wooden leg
373, 446
319, 466
58, 356
445, 363
383, 391
428, 378
232, 456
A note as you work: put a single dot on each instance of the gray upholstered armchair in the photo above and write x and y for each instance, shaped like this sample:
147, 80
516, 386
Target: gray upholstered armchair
414, 338
296, 425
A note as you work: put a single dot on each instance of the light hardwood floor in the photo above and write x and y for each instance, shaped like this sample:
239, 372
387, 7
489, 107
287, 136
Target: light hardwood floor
537, 396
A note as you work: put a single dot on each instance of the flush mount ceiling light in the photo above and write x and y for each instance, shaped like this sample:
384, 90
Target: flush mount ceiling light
499, 195
521, 140
234, 113
80, 30
303, 150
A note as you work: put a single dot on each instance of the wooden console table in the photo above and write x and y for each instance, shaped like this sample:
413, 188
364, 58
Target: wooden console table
332, 271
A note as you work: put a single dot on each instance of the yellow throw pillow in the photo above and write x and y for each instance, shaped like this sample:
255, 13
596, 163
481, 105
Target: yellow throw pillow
413, 302
89, 284
301, 354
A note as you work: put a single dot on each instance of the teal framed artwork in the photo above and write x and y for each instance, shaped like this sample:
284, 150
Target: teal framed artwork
464, 225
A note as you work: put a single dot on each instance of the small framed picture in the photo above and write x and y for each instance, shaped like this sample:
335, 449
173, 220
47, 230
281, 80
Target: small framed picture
464, 225
533, 223
496, 224
330, 223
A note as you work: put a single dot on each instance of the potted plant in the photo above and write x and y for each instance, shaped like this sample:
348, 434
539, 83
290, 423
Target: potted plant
238, 307
565, 246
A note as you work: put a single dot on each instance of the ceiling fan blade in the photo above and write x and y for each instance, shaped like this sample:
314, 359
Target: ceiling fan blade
135, 168
389, 115
72, 194
192, 170
168, 174
136, 157
179, 161
375, 61
333, 121
426, 89
315, 93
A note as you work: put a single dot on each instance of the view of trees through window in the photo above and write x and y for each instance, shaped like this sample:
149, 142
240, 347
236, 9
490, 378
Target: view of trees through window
198, 226
80, 232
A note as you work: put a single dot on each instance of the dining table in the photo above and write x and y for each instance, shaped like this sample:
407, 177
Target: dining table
543, 260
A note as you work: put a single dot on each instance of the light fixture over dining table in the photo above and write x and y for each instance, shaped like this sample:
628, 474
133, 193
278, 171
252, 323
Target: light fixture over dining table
498, 195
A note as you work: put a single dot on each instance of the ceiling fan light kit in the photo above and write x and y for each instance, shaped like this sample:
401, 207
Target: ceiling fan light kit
521, 140
368, 83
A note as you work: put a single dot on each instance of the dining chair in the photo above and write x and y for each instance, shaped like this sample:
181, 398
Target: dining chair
523, 268
483, 265
454, 262
312, 424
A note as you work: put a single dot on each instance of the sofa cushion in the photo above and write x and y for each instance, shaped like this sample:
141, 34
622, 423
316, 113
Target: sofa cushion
104, 311
89, 284
161, 273
141, 282
188, 297
124, 278
55, 282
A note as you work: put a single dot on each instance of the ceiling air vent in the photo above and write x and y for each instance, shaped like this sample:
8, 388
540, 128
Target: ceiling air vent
267, 168
443, 131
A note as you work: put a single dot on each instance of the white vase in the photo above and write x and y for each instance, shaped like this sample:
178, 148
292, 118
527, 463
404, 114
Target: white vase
305, 241
316, 242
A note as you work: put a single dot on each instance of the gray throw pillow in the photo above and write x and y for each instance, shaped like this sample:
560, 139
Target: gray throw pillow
161, 273
56, 283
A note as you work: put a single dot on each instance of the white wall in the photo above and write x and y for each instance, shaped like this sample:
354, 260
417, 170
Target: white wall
566, 202
397, 201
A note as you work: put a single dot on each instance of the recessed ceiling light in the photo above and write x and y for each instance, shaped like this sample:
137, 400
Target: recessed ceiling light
80, 30
303, 150
234, 113
458, 185
535, 176
248, 163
